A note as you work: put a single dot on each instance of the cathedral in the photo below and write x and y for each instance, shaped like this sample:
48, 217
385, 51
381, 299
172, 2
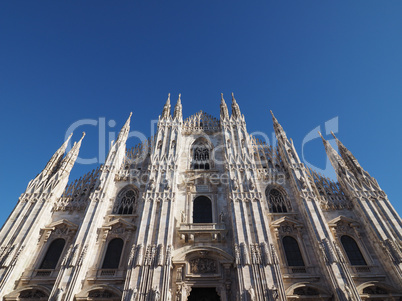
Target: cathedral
202, 211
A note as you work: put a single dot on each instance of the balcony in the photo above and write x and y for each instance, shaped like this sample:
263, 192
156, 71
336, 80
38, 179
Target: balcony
212, 231
112, 274
44, 273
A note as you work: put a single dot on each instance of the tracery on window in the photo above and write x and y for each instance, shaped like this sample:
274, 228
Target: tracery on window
306, 291
32, 294
352, 251
201, 157
125, 202
277, 202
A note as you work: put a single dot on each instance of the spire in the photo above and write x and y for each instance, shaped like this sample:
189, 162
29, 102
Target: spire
166, 108
224, 109
235, 108
348, 157
279, 132
68, 162
334, 158
125, 129
178, 110
54, 162
51, 167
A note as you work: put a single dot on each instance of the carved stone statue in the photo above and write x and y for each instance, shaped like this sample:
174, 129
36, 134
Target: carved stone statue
157, 295
252, 294
179, 292
222, 217
183, 216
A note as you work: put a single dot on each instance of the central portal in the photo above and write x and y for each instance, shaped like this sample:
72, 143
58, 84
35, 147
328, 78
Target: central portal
204, 294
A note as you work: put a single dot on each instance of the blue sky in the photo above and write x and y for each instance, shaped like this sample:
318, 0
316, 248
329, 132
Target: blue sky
308, 61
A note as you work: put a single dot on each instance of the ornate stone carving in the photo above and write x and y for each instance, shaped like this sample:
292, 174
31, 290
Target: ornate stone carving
251, 293
160, 255
255, 254
328, 252
330, 194
126, 201
82, 255
265, 252
237, 254
140, 255
393, 251
200, 121
183, 216
150, 254
179, 290
203, 266
156, 294
245, 255
179, 274
75, 197
132, 255
168, 255
222, 217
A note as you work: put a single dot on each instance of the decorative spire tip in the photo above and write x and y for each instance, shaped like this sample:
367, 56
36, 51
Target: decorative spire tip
321, 136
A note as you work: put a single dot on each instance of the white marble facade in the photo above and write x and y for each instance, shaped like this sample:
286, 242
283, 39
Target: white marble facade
202, 209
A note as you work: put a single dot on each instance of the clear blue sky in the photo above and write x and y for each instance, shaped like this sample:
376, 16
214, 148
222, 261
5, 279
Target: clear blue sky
308, 61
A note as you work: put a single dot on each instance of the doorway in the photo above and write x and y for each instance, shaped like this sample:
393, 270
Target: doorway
204, 294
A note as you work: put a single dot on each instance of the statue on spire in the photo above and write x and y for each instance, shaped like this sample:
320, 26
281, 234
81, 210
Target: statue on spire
178, 110
224, 109
166, 108
235, 108
71, 156
348, 157
336, 161
125, 129
279, 131
51, 167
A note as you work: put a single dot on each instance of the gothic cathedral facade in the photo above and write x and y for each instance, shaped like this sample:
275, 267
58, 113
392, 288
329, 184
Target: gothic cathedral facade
202, 211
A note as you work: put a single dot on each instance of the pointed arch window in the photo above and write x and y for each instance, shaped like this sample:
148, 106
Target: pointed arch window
53, 254
201, 157
200, 152
352, 251
292, 252
277, 202
113, 254
125, 202
202, 210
